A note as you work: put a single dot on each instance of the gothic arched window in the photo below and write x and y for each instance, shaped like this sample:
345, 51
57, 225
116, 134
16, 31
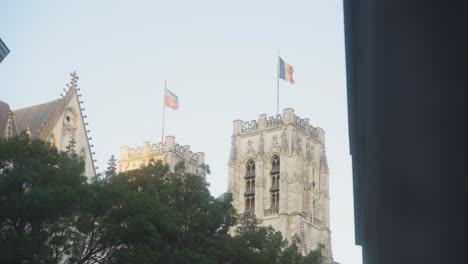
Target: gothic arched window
275, 180
250, 187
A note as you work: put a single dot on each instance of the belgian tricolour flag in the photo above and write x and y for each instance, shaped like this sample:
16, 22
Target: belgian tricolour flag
285, 71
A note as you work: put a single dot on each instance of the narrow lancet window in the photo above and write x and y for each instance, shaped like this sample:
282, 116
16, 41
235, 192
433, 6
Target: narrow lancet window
275, 180
250, 187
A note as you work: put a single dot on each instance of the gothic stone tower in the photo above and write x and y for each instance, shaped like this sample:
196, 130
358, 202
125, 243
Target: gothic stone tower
278, 173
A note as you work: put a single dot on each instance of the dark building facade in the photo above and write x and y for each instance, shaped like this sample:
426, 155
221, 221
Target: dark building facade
407, 86
3, 50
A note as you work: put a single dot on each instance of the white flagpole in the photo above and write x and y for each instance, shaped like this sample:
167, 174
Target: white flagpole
164, 111
277, 85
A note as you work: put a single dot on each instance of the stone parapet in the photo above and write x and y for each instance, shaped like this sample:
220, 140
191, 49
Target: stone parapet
288, 118
148, 150
169, 151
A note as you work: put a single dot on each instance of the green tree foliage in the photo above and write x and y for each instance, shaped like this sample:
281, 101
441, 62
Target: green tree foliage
256, 244
314, 257
50, 214
40, 190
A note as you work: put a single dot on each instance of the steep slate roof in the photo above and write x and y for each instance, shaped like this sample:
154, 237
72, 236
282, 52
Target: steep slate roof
4, 109
37, 116
42, 117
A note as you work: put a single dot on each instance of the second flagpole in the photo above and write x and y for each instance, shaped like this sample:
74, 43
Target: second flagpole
277, 84
164, 111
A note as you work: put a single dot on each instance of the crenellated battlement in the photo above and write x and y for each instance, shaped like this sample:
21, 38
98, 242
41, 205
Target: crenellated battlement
157, 148
168, 151
288, 118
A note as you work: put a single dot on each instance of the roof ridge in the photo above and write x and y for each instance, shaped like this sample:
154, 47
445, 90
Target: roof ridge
30, 106
28, 109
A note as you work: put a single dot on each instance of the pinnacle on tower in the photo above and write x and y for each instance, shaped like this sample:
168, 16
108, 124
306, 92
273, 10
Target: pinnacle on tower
112, 167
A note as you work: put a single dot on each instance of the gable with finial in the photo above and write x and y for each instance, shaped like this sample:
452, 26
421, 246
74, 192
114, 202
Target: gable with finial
60, 122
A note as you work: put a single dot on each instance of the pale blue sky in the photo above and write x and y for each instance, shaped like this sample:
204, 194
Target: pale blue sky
219, 57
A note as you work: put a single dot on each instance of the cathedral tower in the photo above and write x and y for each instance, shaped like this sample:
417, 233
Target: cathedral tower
278, 173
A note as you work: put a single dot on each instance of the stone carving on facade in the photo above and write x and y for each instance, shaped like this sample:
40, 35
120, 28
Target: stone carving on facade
307, 185
298, 145
69, 122
296, 142
283, 176
250, 149
260, 146
293, 141
69, 130
297, 177
309, 152
233, 155
275, 145
284, 142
